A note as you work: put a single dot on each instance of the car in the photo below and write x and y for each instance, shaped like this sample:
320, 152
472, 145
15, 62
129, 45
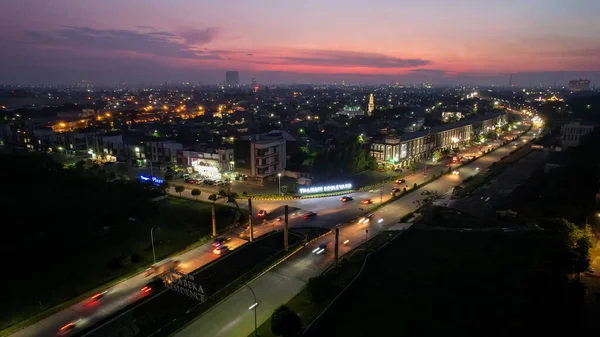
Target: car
366, 202
262, 213
346, 199
221, 250
322, 247
395, 190
455, 173
219, 241
66, 329
99, 295
366, 219
400, 181
308, 215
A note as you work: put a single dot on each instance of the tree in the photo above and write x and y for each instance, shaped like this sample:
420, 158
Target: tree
213, 197
196, 192
436, 156
80, 164
179, 189
169, 175
229, 197
286, 323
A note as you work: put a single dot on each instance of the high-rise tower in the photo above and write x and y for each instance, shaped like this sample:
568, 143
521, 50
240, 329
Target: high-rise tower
371, 105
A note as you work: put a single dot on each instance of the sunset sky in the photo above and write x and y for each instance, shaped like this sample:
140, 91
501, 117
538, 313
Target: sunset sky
309, 41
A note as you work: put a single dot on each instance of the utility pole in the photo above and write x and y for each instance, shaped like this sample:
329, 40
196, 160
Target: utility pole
381, 193
285, 229
366, 235
214, 221
251, 234
337, 244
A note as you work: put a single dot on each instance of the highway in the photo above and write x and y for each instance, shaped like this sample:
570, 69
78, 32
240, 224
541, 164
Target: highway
330, 211
232, 317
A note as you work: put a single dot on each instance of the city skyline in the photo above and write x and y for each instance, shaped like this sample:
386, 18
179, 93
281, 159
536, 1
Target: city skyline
538, 42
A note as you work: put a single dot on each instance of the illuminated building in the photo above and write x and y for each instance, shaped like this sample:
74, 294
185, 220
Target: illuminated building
351, 111
579, 85
371, 105
260, 157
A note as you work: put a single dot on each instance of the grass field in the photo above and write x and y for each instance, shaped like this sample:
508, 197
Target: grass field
457, 284
101, 257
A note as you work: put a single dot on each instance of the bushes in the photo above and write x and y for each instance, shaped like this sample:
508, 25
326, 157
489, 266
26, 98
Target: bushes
320, 288
406, 217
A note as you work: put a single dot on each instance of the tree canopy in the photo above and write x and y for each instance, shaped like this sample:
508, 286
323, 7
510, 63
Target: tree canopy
350, 158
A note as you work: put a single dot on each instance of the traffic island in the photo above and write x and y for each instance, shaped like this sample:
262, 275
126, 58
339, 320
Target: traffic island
166, 310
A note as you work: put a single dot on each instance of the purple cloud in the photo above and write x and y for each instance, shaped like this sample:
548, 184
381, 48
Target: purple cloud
333, 58
156, 43
200, 36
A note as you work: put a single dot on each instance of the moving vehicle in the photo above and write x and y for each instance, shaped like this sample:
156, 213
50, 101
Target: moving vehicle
99, 295
455, 173
308, 215
395, 190
346, 199
366, 202
366, 219
262, 213
65, 330
160, 268
221, 250
400, 181
219, 241
322, 247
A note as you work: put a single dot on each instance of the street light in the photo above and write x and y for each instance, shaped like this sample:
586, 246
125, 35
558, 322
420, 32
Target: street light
279, 176
152, 240
253, 306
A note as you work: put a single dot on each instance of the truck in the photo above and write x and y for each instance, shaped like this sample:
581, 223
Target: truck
160, 268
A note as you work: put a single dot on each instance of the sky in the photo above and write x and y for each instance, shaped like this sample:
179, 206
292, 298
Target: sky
309, 41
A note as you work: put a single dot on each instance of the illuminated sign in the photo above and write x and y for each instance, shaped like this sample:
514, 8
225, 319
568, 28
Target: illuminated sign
324, 189
183, 284
154, 179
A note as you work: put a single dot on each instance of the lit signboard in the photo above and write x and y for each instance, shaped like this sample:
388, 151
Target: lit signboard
153, 179
324, 189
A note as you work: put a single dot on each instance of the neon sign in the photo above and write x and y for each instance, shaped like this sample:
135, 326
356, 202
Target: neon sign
324, 189
154, 179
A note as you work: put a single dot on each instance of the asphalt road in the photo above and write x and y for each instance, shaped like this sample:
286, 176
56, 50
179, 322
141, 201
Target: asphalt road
232, 317
330, 211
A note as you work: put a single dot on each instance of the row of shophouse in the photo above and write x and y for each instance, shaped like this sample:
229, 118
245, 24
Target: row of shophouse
414, 146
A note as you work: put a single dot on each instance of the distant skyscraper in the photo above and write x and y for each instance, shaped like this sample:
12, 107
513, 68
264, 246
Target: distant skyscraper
254, 84
510, 81
371, 105
232, 78
579, 85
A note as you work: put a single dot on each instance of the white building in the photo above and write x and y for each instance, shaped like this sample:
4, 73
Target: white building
570, 134
209, 163
261, 157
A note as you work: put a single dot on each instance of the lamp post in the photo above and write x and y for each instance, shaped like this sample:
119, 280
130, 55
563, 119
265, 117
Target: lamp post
279, 176
152, 240
253, 306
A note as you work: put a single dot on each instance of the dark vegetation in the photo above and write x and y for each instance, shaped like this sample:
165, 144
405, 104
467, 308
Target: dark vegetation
461, 284
74, 229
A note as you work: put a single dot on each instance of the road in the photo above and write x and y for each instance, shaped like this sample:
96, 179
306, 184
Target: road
232, 317
330, 211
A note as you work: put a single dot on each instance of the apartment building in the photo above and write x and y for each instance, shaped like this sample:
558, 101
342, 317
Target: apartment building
571, 133
260, 157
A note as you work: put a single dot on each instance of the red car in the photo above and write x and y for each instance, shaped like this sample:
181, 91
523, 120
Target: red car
308, 215
366, 201
262, 213
400, 181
